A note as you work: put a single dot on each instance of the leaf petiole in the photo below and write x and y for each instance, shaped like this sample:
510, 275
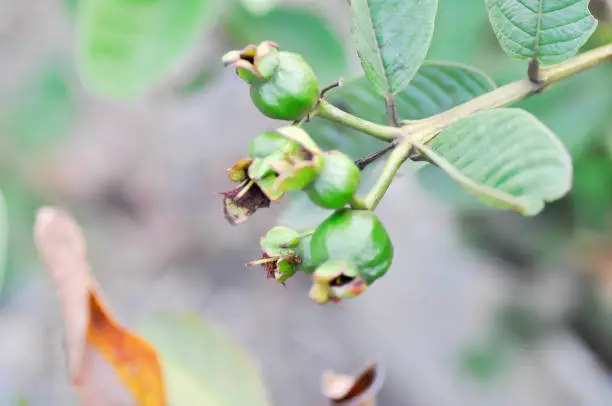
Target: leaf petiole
333, 113
394, 162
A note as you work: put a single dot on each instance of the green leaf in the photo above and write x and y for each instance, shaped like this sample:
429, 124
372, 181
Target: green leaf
202, 366
575, 123
125, 46
294, 29
392, 38
437, 183
506, 157
435, 88
549, 30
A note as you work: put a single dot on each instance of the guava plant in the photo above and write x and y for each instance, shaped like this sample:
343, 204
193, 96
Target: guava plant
404, 108
504, 156
412, 112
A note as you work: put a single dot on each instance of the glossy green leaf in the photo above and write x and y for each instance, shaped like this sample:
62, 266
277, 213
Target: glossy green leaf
126, 46
506, 157
392, 38
549, 30
294, 29
435, 88
202, 366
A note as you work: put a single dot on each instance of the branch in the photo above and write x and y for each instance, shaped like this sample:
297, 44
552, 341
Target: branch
422, 131
333, 113
396, 159
555, 73
425, 130
328, 88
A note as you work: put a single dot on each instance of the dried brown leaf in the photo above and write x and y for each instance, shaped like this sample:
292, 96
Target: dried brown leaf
108, 364
345, 390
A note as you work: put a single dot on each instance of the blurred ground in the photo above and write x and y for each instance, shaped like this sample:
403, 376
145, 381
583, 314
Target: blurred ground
142, 179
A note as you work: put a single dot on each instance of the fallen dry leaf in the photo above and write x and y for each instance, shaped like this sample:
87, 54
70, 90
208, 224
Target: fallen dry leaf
109, 365
346, 390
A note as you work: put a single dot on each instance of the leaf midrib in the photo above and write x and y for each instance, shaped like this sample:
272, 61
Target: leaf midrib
381, 60
536, 44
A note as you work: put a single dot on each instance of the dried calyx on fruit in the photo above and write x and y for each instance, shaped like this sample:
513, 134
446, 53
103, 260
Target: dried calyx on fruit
297, 165
245, 199
280, 161
335, 280
278, 256
283, 85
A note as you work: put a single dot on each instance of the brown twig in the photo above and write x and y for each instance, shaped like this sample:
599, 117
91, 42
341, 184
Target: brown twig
326, 89
368, 159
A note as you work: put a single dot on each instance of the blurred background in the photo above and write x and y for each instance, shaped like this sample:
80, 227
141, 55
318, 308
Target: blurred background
481, 307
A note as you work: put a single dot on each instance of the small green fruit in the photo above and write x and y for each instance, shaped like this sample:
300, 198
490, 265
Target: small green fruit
337, 182
307, 264
283, 85
355, 236
290, 92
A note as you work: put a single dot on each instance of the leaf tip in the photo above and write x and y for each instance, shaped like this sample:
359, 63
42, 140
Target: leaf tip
57, 235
